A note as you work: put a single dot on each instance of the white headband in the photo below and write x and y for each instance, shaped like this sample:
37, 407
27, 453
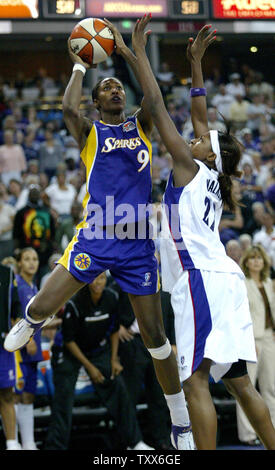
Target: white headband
216, 149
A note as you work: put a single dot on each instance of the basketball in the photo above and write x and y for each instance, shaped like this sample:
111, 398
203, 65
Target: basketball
92, 40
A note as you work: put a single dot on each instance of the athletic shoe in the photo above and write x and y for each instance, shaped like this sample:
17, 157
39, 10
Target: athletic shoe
15, 446
30, 446
141, 446
22, 332
182, 438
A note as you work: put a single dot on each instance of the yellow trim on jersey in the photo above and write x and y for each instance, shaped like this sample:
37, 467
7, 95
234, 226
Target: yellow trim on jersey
88, 156
146, 141
18, 370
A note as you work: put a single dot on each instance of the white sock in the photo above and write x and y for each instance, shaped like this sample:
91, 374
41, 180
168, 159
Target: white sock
16, 425
25, 420
178, 409
11, 443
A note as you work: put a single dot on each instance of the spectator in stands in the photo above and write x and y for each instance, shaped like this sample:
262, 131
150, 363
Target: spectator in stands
7, 213
50, 154
261, 296
28, 357
60, 195
9, 124
71, 149
10, 311
235, 87
254, 218
231, 223
270, 191
89, 338
245, 241
248, 141
166, 79
222, 101
256, 113
12, 159
213, 122
238, 112
267, 150
15, 189
234, 250
30, 145
34, 227
66, 228
249, 185
259, 86
266, 236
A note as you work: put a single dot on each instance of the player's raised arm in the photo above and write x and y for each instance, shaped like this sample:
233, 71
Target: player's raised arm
143, 114
184, 166
195, 51
77, 125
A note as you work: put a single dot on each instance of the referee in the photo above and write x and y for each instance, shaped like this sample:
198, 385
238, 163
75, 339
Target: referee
90, 339
10, 311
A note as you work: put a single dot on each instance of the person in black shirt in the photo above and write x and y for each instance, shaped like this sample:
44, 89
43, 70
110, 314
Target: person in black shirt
90, 339
10, 310
138, 369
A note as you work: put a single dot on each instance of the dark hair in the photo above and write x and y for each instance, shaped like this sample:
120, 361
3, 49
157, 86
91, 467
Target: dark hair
96, 88
231, 152
18, 253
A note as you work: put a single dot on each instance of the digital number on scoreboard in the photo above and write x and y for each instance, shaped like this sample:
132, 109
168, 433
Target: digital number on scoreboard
188, 9
63, 8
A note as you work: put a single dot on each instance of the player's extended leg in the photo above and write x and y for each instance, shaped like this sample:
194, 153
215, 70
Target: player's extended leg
147, 309
254, 407
201, 408
59, 287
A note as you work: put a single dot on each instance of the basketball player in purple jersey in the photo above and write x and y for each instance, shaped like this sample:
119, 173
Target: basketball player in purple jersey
213, 326
117, 154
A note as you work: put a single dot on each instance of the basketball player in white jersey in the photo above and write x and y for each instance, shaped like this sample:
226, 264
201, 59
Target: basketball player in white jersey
212, 320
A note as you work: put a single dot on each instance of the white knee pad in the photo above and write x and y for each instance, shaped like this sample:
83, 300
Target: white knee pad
162, 352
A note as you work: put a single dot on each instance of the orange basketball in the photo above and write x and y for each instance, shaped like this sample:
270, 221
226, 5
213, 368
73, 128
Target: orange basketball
92, 40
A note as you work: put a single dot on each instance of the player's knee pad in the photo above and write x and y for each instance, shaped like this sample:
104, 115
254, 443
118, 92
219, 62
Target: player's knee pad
163, 352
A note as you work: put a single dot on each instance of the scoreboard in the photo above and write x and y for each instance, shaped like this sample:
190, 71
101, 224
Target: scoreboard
168, 10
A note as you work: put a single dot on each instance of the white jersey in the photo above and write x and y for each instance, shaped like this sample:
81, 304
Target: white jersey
190, 236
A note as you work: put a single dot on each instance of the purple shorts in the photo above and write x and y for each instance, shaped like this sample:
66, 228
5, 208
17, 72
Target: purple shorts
132, 263
7, 368
29, 380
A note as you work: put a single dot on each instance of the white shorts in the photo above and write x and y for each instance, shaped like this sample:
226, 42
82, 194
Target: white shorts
212, 320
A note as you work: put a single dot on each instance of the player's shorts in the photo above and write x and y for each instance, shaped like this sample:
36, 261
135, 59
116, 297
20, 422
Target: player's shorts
28, 380
7, 369
212, 320
131, 262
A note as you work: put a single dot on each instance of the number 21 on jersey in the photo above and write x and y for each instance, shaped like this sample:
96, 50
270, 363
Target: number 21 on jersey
209, 214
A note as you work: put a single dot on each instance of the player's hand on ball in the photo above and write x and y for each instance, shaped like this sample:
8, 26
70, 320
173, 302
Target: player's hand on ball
76, 59
139, 36
119, 42
196, 48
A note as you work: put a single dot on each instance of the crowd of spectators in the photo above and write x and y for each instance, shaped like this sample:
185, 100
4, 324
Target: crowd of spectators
42, 181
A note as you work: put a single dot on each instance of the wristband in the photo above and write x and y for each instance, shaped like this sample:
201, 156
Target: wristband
79, 67
197, 92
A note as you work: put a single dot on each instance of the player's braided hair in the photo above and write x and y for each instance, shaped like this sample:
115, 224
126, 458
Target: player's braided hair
231, 152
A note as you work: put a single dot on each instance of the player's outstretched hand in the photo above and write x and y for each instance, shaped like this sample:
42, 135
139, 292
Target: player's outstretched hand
76, 59
139, 36
119, 42
196, 48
